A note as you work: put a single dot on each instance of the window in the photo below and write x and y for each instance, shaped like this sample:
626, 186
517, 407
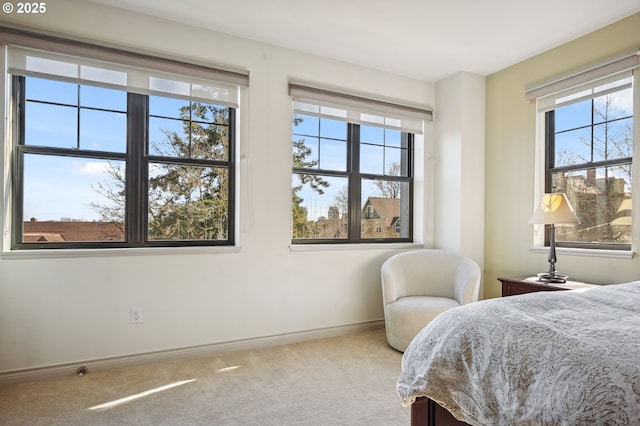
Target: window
589, 155
352, 177
100, 161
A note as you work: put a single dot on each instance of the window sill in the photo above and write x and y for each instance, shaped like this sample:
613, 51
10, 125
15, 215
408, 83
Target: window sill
145, 251
619, 254
365, 246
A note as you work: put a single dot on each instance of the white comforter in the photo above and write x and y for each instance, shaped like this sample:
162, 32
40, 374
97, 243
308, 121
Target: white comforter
547, 358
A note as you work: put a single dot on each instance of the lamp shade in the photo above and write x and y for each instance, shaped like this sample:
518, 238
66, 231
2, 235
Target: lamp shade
554, 208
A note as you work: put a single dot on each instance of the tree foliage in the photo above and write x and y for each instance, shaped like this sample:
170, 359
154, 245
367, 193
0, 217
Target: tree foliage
301, 227
188, 199
390, 188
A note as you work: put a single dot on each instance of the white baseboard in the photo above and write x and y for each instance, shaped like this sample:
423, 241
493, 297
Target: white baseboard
96, 365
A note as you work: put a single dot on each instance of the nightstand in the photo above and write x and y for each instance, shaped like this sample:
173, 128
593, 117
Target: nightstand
523, 284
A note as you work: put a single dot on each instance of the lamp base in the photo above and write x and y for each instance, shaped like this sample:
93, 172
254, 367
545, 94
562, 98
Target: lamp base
552, 277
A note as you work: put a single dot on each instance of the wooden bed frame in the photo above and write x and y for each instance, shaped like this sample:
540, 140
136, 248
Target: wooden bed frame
426, 412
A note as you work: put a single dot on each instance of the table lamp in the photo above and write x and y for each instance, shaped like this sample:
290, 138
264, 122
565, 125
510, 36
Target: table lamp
554, 209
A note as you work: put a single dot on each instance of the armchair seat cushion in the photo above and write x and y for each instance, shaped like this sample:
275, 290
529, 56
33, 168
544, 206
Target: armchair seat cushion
405, 317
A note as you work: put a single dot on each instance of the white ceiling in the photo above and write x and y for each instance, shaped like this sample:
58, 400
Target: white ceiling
424, 39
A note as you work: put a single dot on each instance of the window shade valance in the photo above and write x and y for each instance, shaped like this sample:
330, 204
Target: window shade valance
593, 89
41, 55
620, 64
356, 109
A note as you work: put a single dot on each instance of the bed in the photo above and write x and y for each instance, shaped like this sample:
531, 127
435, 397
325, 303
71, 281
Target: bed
546, 358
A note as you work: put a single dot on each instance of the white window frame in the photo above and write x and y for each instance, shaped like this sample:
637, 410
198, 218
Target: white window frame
626, 62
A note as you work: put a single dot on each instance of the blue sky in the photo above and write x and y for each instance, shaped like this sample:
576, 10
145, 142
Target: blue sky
579, 114
63, 187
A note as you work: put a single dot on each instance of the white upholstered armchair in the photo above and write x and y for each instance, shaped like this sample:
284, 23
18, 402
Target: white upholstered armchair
420, 284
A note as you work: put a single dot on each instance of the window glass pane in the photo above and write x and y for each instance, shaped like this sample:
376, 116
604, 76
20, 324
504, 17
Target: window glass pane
573, 116
573, 147
306, 152
209, 132
613, 106
57, 92
601, 198
103, 130
319, 143
197, 131
385, 209
167, 137
372, 159
306, 125
209, 113
100, 97
209, 142
392, 137
51, 125
393, 162
333, 155
372, 135
334, 129
168, 107
382, 152
613, 140
320, 207
73, 199
188, 202
206, 113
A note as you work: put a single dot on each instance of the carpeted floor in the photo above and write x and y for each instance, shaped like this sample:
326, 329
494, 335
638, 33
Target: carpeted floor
346, 380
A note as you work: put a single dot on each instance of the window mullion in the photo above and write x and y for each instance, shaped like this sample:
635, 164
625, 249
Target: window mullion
231, 204
581, 166
550, 159
78, 117
137, 169
18, 159
593, 113
406, 223
355, 182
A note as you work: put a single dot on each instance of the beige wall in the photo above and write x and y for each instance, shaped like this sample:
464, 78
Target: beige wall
510, 141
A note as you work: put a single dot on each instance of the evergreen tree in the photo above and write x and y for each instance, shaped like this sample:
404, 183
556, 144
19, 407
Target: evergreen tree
185, 201
301, 227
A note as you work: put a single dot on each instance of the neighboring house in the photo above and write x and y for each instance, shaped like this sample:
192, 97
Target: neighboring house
605, 207
381, 218
56, 231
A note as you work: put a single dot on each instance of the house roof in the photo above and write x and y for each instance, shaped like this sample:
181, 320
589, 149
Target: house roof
387, 209
57, 231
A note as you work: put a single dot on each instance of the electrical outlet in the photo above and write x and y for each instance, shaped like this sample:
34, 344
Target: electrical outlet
136, 315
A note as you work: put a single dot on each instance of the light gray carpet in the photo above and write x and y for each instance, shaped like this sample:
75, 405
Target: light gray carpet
347, 380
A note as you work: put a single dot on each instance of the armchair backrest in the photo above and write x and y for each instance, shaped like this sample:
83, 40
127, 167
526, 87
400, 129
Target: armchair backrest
430, 273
